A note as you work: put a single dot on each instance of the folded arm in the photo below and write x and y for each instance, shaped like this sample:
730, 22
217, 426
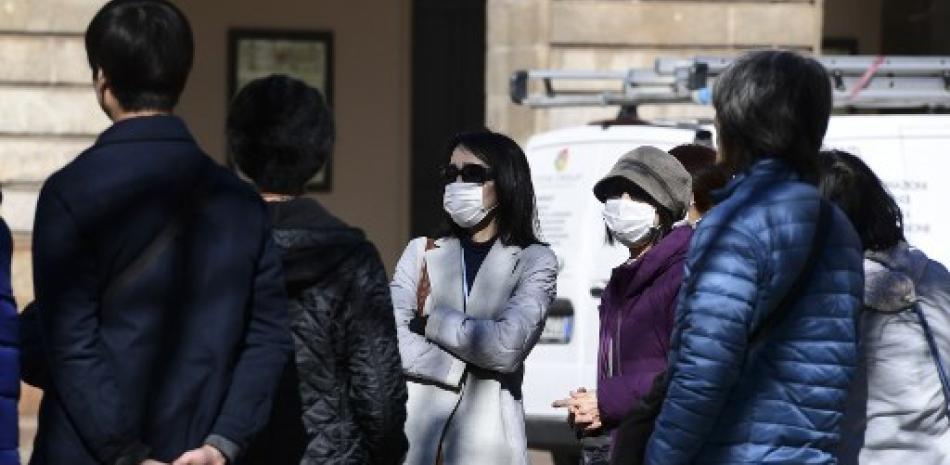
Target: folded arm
501, 343
420, 357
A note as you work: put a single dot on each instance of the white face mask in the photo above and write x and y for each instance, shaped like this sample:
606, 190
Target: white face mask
463, 202
630, 222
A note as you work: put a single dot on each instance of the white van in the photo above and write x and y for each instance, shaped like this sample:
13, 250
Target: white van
911, 153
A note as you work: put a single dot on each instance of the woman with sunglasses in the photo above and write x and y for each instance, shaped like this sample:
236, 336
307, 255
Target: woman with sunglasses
470, 305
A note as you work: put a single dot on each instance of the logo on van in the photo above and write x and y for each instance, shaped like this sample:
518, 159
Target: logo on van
560, 163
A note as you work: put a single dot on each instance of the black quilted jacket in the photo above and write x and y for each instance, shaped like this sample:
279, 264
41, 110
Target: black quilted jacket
347, 384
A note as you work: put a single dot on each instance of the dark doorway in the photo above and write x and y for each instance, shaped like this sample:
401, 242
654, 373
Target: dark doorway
448, 94
916, 27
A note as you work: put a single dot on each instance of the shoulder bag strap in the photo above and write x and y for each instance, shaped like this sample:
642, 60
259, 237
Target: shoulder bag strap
934, 349
781, 310
193, 202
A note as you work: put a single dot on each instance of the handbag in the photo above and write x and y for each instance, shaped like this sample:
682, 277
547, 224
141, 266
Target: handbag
425, 287
635, 430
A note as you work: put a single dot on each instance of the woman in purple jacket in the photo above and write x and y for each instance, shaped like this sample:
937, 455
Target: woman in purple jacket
643, 195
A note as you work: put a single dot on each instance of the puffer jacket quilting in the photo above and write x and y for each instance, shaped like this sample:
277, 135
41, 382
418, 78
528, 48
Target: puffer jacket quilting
782, 402
348, 374
9, 356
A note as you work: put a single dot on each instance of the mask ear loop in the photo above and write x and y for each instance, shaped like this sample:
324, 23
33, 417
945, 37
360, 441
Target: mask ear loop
492, 208
655, 230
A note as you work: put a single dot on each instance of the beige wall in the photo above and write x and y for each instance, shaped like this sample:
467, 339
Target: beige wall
371, 99
620, 34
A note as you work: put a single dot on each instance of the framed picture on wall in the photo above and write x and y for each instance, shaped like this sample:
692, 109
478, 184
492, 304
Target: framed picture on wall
305, 55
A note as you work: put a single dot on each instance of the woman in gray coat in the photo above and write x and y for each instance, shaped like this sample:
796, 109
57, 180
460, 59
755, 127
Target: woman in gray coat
470, 305
897, 412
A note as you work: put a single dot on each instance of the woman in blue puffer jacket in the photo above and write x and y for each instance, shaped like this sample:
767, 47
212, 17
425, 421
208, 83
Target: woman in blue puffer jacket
782, 401
9, 355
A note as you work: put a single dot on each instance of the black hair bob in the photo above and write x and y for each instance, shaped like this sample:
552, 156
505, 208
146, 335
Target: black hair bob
772, 104
848, 182
706, 181
516, 212
145, 49
280, 133
694, 157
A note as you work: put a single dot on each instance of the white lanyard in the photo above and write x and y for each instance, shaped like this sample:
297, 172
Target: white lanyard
464, 280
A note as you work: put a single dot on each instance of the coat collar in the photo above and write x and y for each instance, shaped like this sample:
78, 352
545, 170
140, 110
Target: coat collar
634, 276
492, 284
146, 128
765, 168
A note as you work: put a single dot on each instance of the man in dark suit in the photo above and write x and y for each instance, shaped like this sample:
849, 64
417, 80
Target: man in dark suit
162, 303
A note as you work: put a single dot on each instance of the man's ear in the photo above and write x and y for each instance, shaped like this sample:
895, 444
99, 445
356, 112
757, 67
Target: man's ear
99, 80
104, 93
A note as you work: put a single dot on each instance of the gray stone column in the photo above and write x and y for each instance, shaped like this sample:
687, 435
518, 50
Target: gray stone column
517, 38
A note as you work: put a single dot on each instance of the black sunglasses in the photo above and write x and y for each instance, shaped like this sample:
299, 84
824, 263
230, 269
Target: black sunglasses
473, 173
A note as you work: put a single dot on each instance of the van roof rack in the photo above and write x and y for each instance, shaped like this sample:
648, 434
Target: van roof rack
871, 82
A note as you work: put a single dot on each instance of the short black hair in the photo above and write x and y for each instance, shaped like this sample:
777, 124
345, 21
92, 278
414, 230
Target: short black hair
145, 49
706, 181
772, 104
517, 212
848, 182
694, 157
280, 133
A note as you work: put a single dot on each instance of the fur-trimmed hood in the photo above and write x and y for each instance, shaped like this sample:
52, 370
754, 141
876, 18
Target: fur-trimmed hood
891, 277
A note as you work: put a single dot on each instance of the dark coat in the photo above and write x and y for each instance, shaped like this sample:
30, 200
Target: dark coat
636, 315
347, 382
9, 356
783, 401
188, 345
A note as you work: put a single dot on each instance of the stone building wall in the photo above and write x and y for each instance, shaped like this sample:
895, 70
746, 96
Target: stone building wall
48, 114
48, 110
620, 34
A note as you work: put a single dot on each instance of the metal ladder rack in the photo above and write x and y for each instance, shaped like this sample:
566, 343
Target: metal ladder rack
858, 82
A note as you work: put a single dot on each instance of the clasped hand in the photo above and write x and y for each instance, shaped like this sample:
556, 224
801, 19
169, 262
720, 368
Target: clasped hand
582, 411
205, 455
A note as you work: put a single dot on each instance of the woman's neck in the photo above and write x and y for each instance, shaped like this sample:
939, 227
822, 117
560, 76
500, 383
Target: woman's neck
485, 233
